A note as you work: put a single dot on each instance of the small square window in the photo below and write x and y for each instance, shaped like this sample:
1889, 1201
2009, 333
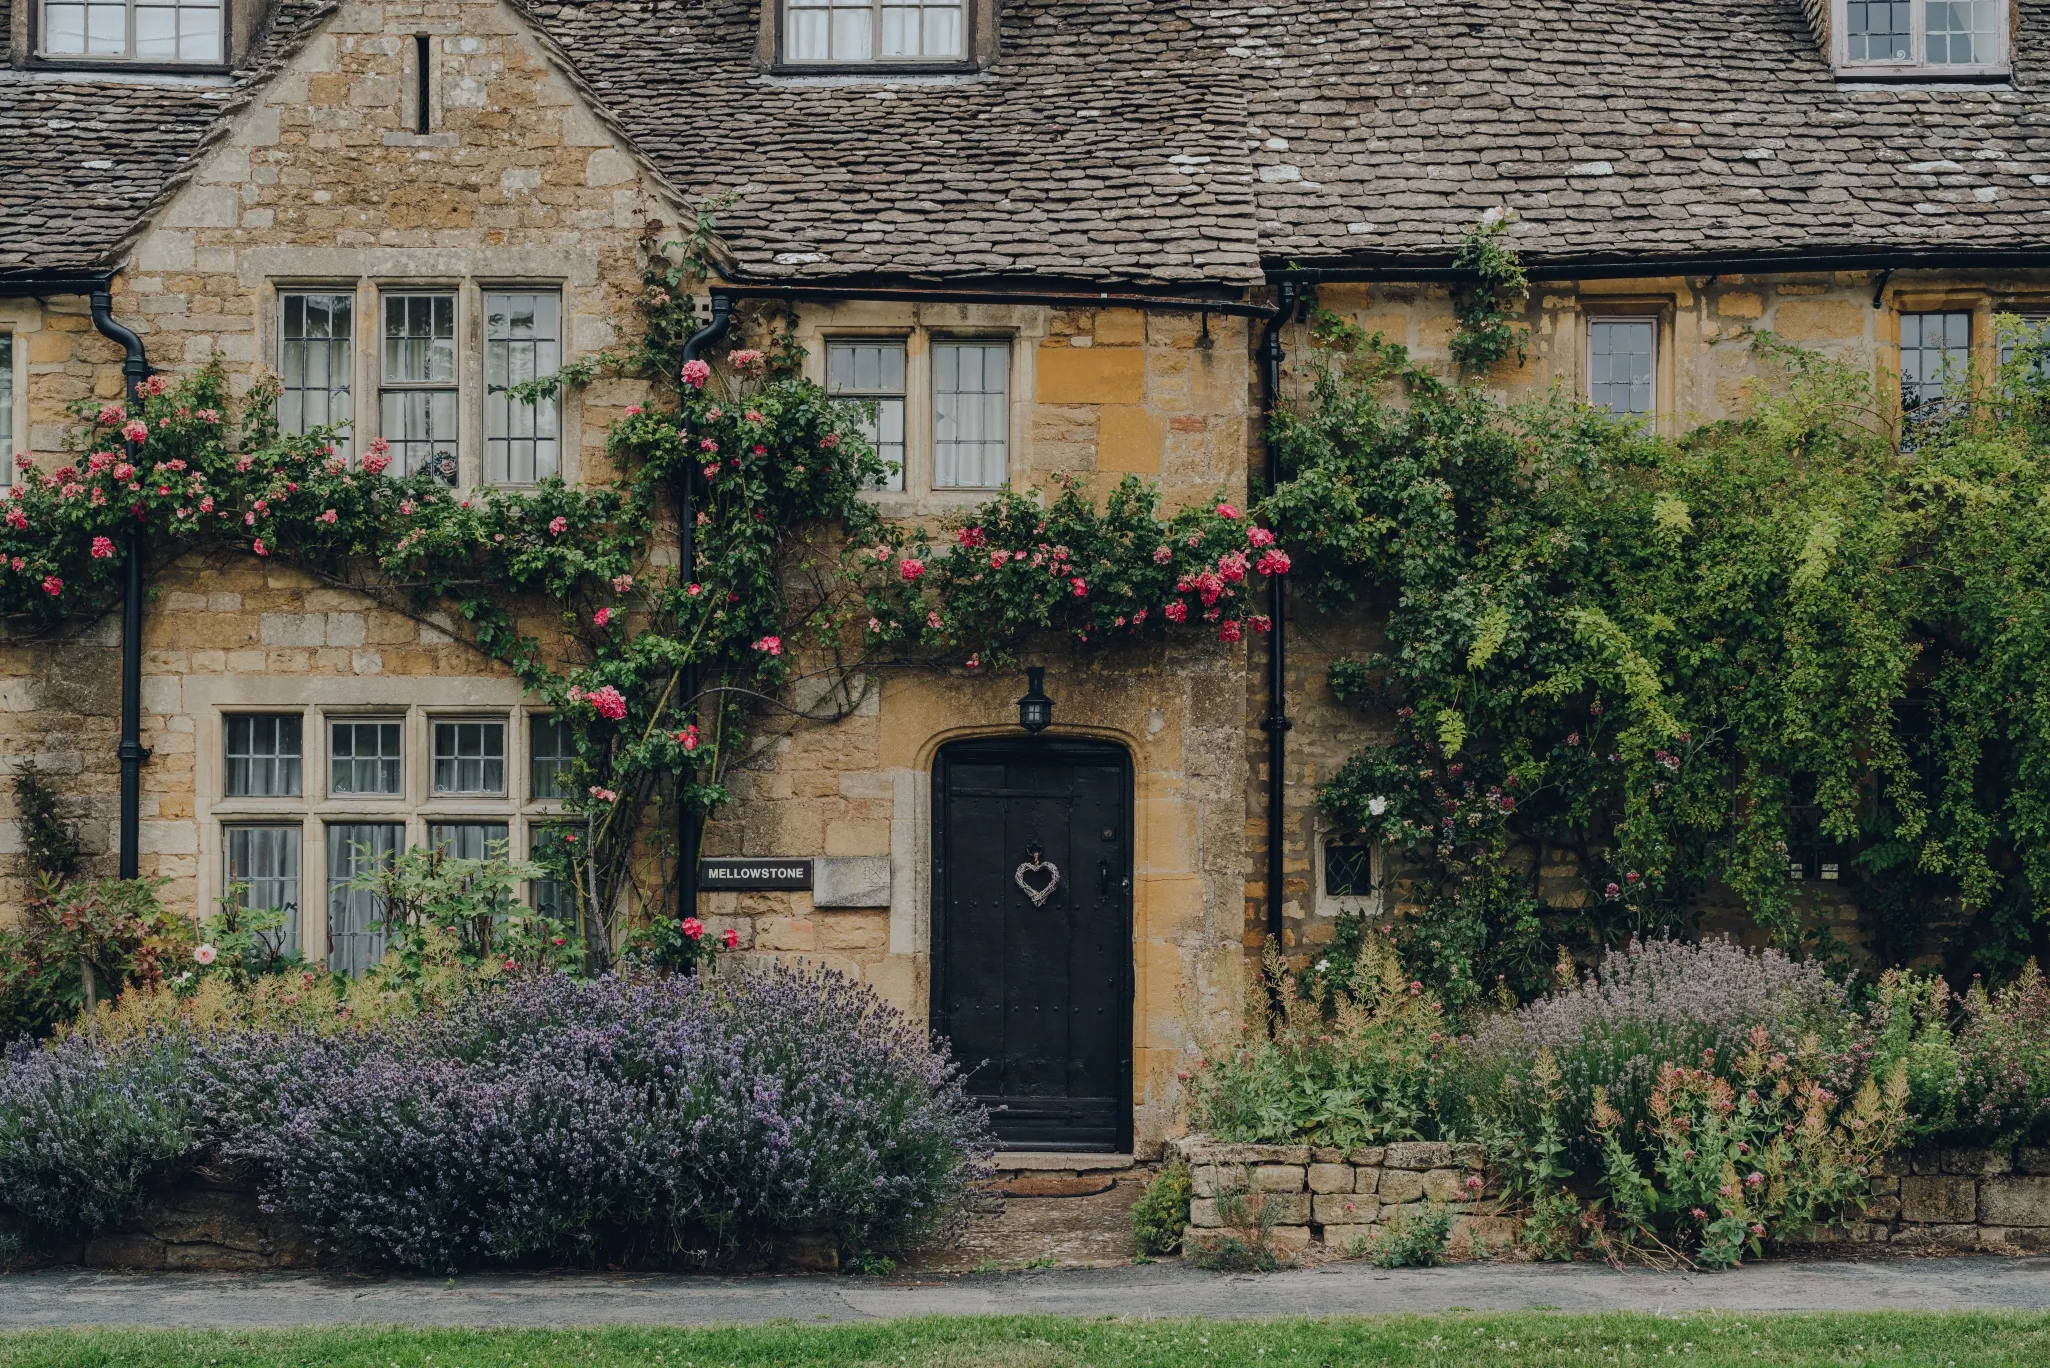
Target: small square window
263, 756
469, 840
550, 746
263, 875
1936, 356
1620, 364
873, 372
1348, 870
355, 916
469, 757
364, 759
971, 414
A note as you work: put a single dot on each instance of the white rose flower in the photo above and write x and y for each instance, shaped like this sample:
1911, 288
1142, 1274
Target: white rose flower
1376, 805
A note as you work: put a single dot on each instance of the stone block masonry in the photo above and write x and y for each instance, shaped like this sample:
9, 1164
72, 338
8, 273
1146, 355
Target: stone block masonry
1309, 1197
1994, 1200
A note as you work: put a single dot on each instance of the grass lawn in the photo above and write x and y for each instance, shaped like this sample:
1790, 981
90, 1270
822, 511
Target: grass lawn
1454, 1341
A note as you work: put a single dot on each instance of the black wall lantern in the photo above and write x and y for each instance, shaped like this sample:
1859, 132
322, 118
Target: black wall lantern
1035, 709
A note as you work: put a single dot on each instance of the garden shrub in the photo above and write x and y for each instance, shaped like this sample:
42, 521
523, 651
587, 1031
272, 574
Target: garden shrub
1651, 1003
538, 1119
1413, 1239
1344, 1060
1162, 1212
2003, 1049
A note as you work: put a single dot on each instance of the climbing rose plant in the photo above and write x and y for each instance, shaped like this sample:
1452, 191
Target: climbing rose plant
795, 573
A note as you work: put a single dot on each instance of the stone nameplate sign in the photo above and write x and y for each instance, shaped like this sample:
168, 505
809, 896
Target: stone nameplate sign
772, 875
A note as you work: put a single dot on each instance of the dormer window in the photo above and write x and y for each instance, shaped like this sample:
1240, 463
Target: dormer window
839, 32
153, 32
1926, 39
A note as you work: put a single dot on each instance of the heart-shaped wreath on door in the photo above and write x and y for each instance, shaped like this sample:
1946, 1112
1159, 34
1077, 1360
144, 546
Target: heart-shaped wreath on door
1032, 868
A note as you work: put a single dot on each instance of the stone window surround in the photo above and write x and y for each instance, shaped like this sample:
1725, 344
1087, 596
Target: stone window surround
1334, 905
1985, 353
1833, 20
918, 326
210, 700
980, 45
367, 381
15, 421
1659, 309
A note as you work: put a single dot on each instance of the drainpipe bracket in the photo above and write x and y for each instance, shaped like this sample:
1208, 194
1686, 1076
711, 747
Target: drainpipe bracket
1276, 724
134, 750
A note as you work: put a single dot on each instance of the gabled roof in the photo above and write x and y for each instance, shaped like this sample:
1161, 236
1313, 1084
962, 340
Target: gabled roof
85, 158
1163, 142
1621, 128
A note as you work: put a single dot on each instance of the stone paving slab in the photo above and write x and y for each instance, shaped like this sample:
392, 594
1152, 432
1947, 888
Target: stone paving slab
61, 1297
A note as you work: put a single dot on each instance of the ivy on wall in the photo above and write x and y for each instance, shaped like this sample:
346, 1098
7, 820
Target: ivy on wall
799, 594
1681, 668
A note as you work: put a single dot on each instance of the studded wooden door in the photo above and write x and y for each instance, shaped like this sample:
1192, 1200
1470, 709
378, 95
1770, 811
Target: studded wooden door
1032, 939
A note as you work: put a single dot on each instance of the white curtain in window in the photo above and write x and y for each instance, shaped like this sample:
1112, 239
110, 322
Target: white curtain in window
971, 414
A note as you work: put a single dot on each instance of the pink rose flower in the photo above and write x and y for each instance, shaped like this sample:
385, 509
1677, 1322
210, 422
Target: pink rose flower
633, 410
1080, 586
1176, 611
557, 526
688, 737
135, 430
602, 616
910, 568
330, 516
770, 645
1228, 630
745, 359
1273, 562
52, 585
610, 703
622, 583
1261, 622
103, 547
604, 795
693, 928
1259, 536
205, 954
1162, 555
694, 589
731, 938
259, 548
695, 373
1225, 510
111, 414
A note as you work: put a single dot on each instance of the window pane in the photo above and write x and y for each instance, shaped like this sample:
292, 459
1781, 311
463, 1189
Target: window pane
2035, 329
1935, 356
64, 29
420, 425
162, 30
873, 370
263, 874
1878, 30
550, 747
263, 757
316, 344
1620, 364
852, 31
522, 341
549, 897
469, 840
106, 29
469, 757
6, 394
363, 758
420, 338
971, 415
1348, 870
1962, 32
199, 33
156, 33
355, 937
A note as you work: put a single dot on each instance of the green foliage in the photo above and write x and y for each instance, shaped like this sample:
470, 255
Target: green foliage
1670, 663
1341, 1062
1162, 1211
49, 842
1910, 1020
1484, 306
440, 910
1413, 1239
82, 944
2003, 1049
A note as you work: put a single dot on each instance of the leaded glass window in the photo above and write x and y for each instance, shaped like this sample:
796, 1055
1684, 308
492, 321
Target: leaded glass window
549, 896
550, 746
418, 394
316, 360
1620, 356
469, 840
1348, 870
364, 758
971, 414
874, 30
1936, 356
355, 916
1963, 32
469, 757
1879, 30
263, 756
873, 372
522, 341
125, 30
263, 875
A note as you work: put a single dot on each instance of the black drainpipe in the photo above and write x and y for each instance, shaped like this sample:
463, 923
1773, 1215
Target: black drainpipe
1276, 723
690, 827
134, 370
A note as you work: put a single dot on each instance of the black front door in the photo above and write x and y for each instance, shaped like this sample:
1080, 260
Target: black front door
1032, 940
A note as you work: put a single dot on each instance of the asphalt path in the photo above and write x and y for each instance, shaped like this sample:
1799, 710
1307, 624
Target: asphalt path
70, 1297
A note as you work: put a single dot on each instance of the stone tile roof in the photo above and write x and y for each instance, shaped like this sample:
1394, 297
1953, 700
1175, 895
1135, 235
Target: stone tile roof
85, 157
1622, 129
1104, 144
1162, 142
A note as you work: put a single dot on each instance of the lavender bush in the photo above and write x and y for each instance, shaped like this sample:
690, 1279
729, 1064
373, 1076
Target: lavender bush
1655, 1003
548, 1119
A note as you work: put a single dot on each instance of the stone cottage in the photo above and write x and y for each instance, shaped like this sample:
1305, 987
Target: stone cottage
1042, 236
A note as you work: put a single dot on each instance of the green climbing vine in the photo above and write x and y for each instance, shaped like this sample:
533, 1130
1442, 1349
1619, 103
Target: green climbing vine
1681, 667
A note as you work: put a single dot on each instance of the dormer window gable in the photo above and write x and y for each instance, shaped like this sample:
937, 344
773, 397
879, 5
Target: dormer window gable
882, 36
1919, 40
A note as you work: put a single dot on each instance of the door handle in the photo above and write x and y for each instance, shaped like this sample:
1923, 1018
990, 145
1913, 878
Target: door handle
1103, 876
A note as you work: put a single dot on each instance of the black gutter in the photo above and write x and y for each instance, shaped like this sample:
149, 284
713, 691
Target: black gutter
1055, 298
134, 370
1430, 270
1276, 723
690, 826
